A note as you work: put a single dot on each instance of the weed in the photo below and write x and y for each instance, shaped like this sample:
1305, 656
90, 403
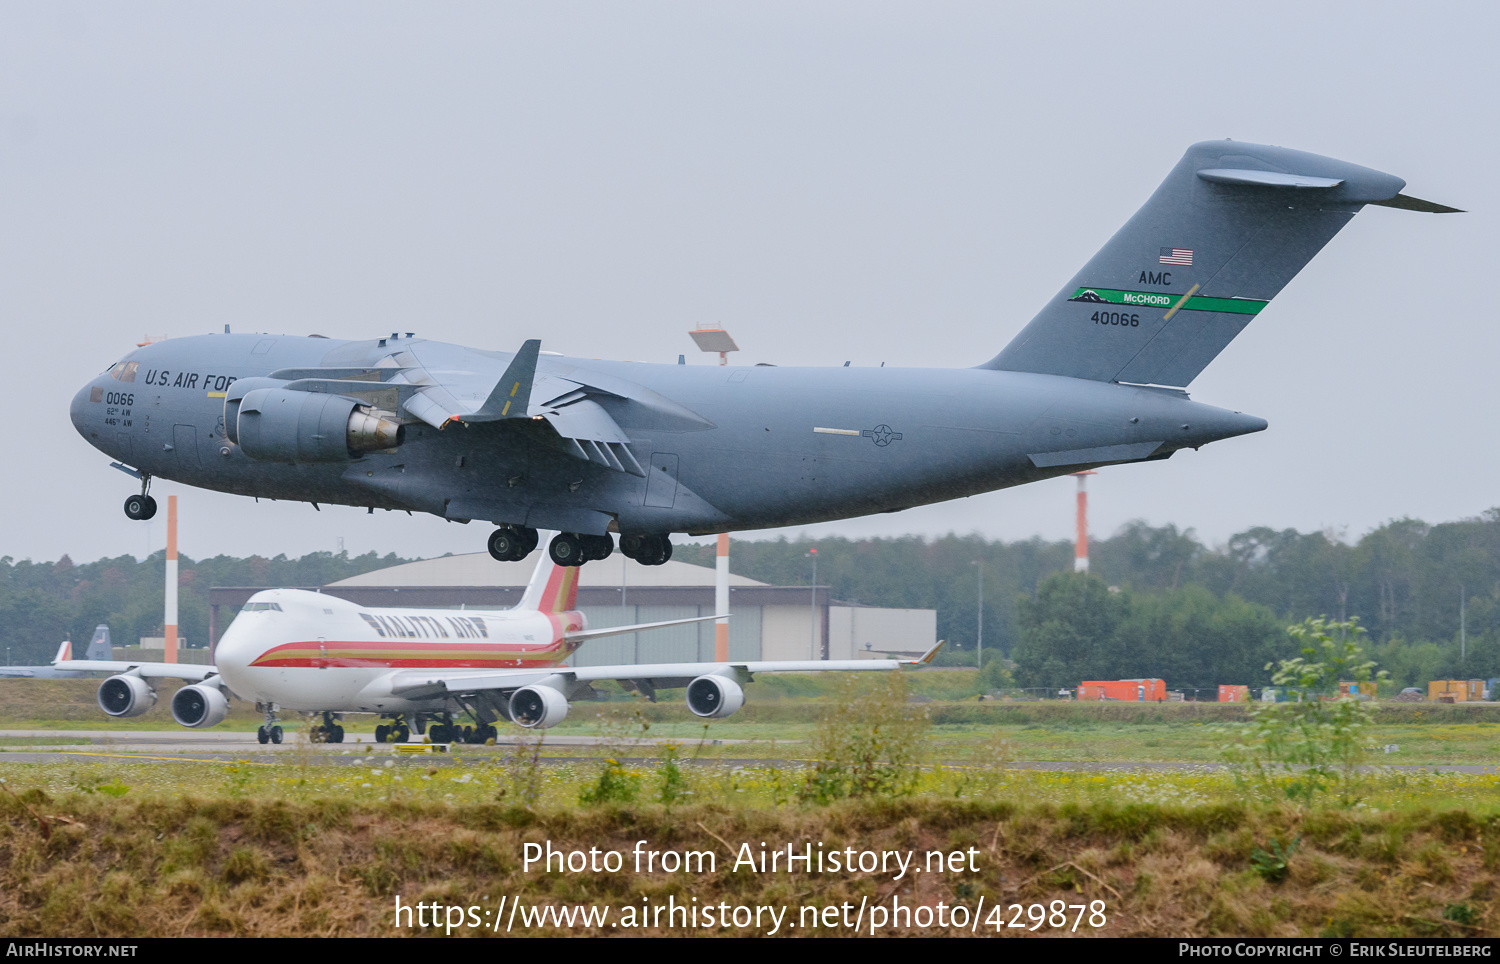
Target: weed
1313, 745
1273, 864
868, 743
672, 784
615, 785
1461, 914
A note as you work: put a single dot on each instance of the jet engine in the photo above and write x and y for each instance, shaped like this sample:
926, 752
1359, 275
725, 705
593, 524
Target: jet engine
538, 706
714, 697
199, 706
278, 425
126, 696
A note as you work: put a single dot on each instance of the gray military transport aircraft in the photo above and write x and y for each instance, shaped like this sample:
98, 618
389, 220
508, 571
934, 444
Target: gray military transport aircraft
530, 440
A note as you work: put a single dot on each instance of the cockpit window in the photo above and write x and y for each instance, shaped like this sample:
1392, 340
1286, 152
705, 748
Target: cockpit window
124, 371
261, 607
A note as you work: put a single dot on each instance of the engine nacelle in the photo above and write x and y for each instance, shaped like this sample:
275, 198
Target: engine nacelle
278, 425
714, 697
199, 706
126, 696
538, 706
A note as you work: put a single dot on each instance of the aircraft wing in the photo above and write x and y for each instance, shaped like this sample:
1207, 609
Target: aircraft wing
446, 384
187, 671
646, 677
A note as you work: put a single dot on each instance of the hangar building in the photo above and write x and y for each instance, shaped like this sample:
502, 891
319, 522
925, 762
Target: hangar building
766, 622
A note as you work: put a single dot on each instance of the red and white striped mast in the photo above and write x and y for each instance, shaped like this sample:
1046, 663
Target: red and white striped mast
1081, 543
171, 613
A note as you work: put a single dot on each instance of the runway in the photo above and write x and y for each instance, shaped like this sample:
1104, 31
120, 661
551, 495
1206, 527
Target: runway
190, 746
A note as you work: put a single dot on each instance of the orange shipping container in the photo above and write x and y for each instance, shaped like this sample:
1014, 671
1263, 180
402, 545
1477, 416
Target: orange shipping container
1234, 694
1456, 689
1132, 690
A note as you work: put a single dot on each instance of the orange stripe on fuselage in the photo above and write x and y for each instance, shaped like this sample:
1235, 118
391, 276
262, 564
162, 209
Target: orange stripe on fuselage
403, 654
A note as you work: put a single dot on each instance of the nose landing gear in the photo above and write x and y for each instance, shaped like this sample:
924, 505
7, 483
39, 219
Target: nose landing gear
142, 507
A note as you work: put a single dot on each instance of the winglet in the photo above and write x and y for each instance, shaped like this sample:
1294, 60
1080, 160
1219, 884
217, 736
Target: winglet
511, 396
926, 658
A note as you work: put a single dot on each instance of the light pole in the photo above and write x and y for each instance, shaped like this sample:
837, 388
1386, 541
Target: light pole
717, 339
813, 602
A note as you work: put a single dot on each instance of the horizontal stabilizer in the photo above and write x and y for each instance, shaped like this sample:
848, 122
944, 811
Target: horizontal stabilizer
1408, 203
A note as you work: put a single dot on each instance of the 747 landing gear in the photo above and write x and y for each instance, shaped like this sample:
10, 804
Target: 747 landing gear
269, 732
512, 543
141, 507
394, 733
328, 732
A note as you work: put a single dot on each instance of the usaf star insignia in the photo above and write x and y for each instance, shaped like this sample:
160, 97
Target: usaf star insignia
882, 434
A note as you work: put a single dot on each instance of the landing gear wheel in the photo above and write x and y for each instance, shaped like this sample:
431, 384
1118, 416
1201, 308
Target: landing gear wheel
276, 734
597, 547
567, 550
653, 550
508, 544
263, 735
468, 736
317, 735
630, 546
401, 735
382, 733
338, 735
140, 507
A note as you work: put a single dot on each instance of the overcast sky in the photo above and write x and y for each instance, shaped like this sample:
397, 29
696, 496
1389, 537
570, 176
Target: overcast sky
868, 181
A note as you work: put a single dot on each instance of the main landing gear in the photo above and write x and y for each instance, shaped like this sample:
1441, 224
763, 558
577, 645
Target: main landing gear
142, 507
442, 729
514, 543
328, 732
646, 550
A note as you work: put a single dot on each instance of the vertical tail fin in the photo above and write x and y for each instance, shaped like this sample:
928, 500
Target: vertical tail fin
1226, 231
65, 651
553, 588
99, 646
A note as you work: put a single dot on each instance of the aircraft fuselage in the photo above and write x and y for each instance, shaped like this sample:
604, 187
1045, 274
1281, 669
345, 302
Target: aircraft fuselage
770, 446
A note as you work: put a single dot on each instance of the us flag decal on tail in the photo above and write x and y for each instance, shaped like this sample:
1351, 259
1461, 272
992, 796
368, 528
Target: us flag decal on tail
1183, 256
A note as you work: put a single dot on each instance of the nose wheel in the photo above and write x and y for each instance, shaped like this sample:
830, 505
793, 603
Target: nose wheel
141, 507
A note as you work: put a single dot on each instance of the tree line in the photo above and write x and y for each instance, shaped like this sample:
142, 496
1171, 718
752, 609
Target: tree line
1157, 600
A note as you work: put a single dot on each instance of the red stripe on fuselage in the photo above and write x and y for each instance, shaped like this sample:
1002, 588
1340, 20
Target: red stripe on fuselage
410, 654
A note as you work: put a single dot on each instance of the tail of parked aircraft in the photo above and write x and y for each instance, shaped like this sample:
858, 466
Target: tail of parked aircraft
64, 651
553, 588
99, 646
1226, 231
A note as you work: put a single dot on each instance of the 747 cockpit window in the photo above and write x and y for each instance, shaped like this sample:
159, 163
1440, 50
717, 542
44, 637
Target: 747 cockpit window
261, 607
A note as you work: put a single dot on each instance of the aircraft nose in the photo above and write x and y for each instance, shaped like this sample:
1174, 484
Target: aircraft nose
79, 410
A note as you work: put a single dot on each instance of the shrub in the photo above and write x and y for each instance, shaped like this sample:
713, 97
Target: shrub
868, 743
1314, 744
